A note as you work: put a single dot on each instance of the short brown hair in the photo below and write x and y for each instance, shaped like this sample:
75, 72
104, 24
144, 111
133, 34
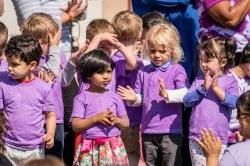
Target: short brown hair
3, 35
40, 25
97, 26
128, 26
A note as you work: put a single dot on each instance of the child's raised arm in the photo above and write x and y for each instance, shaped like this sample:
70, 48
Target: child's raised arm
108, 37
53, 63
131, 62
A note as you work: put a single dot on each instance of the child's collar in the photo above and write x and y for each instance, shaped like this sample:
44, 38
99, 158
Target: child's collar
164, 67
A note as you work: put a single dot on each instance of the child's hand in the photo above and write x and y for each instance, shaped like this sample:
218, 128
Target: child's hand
215, 81
162, 91
238, 137
207, 82
104, 117
75, 56
75, 9
210, 145
54, 41
47, 76
108, 38
49, 140
127, 93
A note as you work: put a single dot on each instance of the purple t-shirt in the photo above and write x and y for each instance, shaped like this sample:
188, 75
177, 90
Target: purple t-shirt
210, 112
128, 77
159, 117
241, 34
87, 104
57, 90
24, 105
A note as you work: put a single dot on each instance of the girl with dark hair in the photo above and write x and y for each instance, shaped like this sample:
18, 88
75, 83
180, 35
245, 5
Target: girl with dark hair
212, 95
98, 114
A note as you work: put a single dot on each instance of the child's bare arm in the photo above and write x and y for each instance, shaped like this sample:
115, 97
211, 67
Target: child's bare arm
109, 37
130, 58
51, 127
121, 122
80, 125
220, 93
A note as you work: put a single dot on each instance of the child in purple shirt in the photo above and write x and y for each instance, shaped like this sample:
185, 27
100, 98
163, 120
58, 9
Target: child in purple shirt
128, 27
26, 102
213, 95
161, 117
98, 114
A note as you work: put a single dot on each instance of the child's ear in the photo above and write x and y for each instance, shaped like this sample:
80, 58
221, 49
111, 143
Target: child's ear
33, 65
223, 62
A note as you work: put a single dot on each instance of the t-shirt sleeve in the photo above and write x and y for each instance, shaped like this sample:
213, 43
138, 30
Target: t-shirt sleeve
210, 3
228, 159
78, 107
181, 80
120, 108
48, 101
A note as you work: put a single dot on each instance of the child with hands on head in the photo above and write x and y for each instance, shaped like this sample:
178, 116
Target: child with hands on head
98, 114
213, 95
101, 34
27, 102
155, 90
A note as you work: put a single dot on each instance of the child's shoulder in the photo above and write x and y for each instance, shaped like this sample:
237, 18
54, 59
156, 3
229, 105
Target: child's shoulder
229, 78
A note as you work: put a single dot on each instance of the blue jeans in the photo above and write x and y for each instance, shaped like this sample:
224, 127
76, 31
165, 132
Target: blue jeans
57, 149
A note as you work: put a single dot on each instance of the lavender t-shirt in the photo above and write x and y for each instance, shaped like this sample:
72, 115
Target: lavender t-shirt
159, 117
87, 104
24, 105
241, 34
209, 112
128, 77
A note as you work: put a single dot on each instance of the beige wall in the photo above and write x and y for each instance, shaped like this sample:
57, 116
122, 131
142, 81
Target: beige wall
111, 7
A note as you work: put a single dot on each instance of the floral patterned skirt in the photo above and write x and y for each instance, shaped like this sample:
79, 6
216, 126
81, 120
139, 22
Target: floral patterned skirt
101, 151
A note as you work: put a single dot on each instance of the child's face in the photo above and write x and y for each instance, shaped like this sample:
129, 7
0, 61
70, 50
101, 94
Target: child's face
246, 69
101, 80
18, 69
211, 65
159, 55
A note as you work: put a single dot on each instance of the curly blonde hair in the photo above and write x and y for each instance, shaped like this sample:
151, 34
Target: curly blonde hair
164, 35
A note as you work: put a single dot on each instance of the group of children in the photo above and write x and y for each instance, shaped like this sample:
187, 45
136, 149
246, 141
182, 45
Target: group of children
132, 90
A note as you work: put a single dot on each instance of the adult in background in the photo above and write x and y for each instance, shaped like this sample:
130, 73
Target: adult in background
64, 10
226, 18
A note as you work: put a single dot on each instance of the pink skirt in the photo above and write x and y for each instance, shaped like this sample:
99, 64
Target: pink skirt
101, 151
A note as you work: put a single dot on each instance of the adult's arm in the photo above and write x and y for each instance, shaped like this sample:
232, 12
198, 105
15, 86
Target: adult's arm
227, 15
1, 7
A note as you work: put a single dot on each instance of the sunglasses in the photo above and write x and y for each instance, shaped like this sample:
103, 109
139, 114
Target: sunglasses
240, 114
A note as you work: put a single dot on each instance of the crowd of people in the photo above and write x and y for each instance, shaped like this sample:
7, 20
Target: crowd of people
134, 83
